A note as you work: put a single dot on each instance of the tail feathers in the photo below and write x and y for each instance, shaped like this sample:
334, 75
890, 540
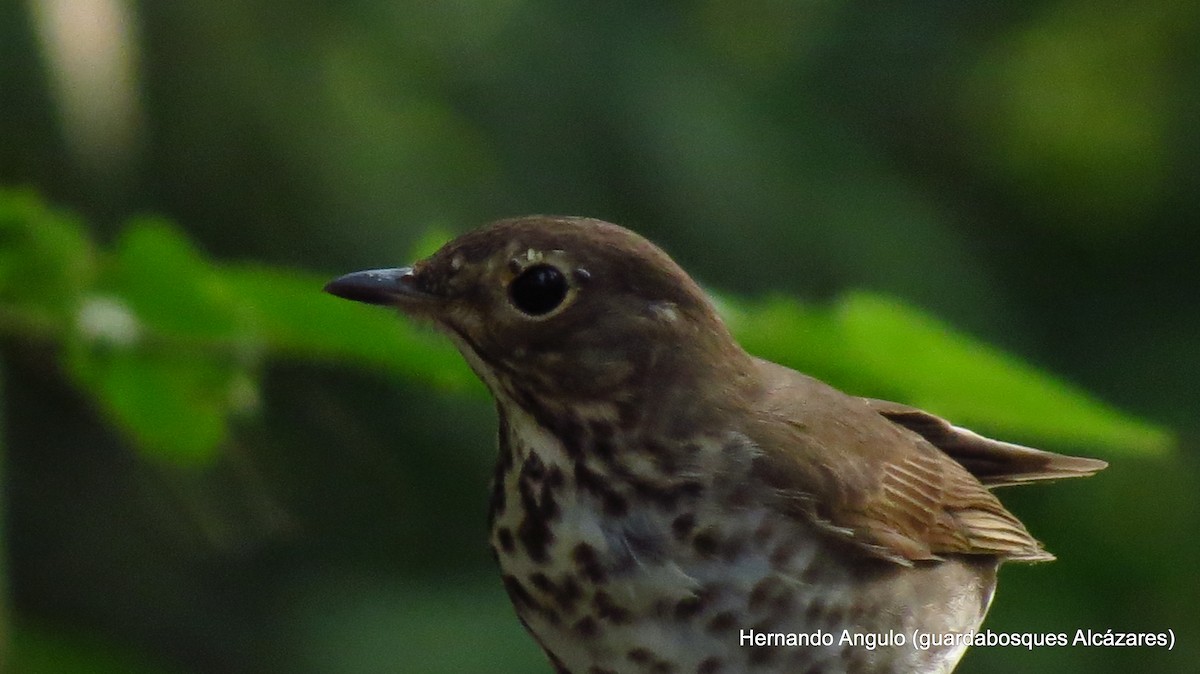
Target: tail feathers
994, 463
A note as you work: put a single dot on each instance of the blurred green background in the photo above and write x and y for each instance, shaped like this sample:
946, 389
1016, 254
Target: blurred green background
209, 466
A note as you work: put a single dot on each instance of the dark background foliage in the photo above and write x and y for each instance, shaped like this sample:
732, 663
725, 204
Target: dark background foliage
1024, 171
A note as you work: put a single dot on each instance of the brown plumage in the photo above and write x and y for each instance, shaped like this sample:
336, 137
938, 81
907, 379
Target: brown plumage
888, 478
659, 491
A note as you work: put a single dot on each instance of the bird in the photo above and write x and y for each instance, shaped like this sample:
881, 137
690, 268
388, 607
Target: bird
665, 502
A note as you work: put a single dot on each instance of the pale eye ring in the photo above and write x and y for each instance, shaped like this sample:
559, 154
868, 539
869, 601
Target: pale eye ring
538, 290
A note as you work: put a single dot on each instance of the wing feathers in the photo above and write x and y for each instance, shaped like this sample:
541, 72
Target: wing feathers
896, 482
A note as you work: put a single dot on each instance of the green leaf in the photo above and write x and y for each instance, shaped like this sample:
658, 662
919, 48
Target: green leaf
46, 259
170, 287
168, 350
175, 403
801, 336
292, 315
872, 345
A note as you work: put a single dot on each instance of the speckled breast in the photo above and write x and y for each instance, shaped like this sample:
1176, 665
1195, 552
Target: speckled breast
620, 561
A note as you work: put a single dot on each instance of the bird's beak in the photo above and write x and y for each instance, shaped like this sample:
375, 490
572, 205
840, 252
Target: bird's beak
389, 287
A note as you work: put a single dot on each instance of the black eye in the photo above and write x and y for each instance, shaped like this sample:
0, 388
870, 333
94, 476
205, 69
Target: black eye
538, 290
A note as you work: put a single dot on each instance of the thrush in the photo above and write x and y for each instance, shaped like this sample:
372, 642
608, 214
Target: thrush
664, 502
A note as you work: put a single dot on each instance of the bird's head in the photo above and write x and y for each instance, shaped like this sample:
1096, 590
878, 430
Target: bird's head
574, 308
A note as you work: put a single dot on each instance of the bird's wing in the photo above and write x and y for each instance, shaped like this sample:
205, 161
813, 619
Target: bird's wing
994, 463
847, 466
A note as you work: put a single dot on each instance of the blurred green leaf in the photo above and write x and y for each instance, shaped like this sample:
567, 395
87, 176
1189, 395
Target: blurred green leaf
46, 260
965, 380
166, 350
175, 403
294, 317
169, 286
872, 345
793, 333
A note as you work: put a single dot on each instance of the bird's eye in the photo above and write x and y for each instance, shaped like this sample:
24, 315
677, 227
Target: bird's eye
539, 290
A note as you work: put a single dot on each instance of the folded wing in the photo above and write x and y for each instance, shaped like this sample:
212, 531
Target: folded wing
896, 482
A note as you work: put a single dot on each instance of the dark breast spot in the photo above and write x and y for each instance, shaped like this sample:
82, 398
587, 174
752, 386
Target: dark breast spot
761, 655
499, 499
608, 610
762, 592
536, 536
533, 469
517, 593
602, 441
682, 526
639, 655
568, 593
628, 415
689, 489
589, 481
814, 611
570, 433
588, 563
548, 502
647, 662
763, 532
504, 460
722, 623
689, 607
707, 542
667, 495
503, 465
537, 490
781, 555
834, 618
781, 606
505, 537
542, 582
550, 615
615, 505
587, 627
858, 612
664, 460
